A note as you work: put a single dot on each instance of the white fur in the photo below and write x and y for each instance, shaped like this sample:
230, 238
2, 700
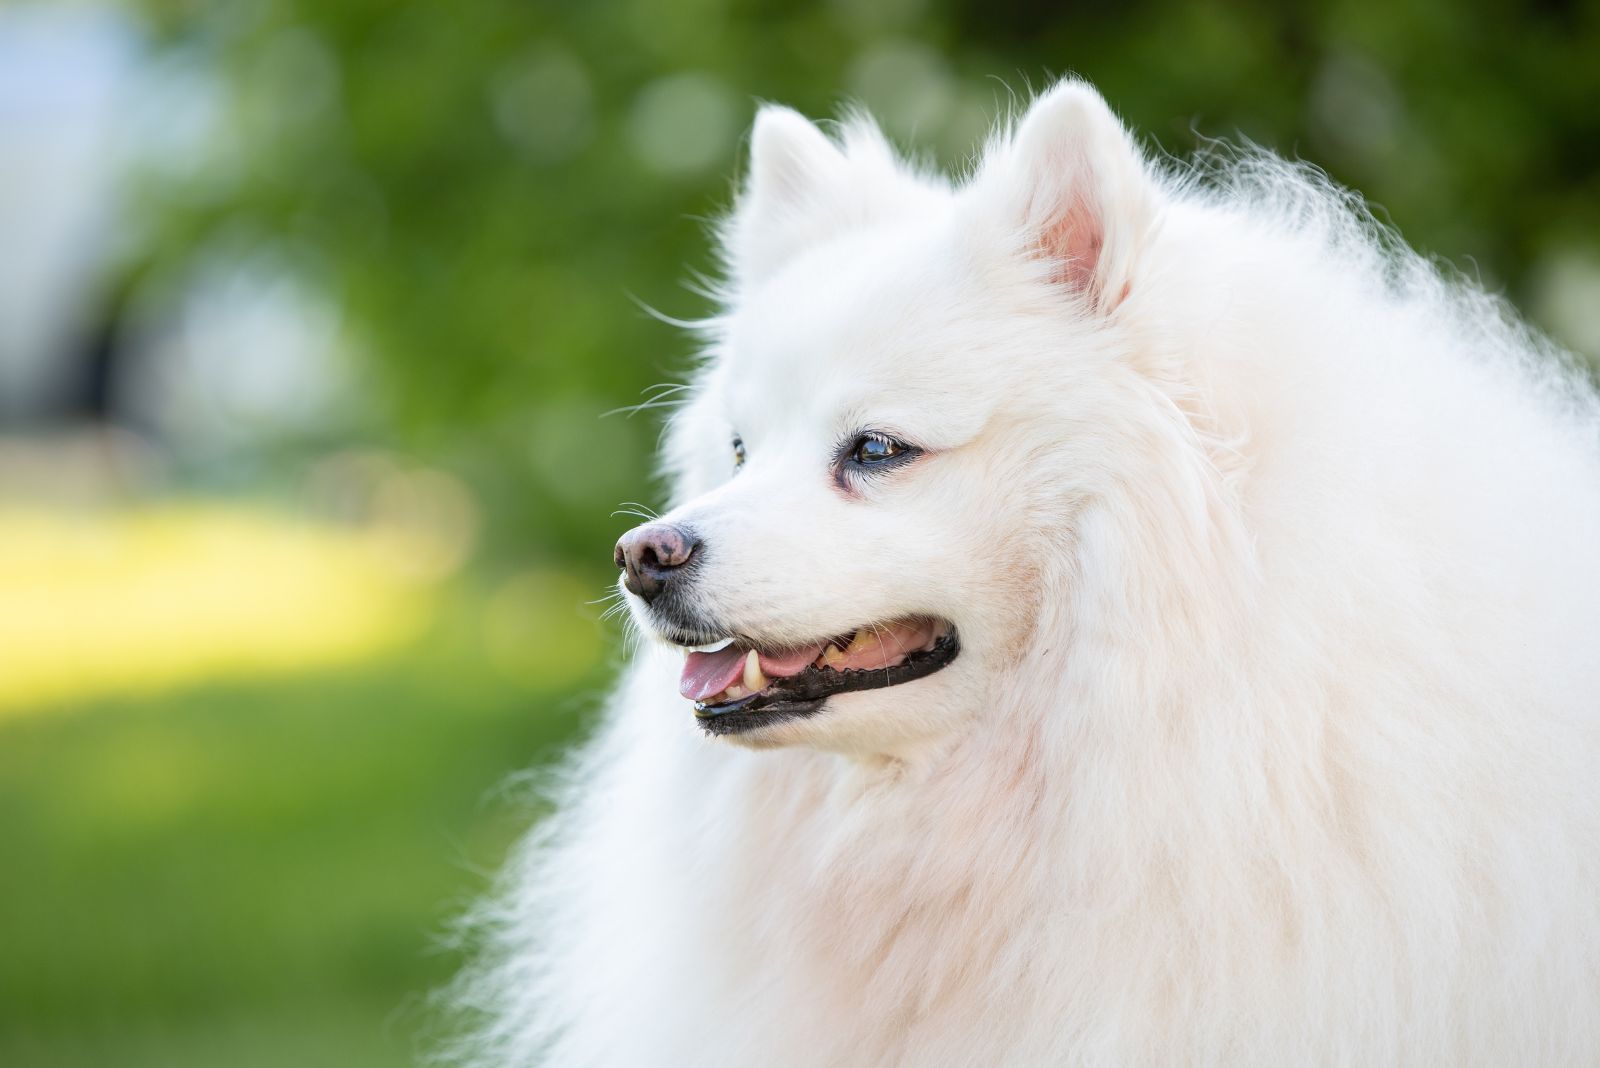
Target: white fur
1275, 737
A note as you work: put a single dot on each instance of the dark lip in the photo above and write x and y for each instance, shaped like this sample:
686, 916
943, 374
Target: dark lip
798, 696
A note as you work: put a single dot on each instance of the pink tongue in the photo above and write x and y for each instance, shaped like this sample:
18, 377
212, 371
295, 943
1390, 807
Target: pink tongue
708, 674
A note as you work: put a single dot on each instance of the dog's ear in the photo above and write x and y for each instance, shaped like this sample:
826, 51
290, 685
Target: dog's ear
790, 161
794, 172
804, 187
1074, 187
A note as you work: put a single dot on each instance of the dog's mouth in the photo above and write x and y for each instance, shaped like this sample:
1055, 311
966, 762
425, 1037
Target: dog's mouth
738, 687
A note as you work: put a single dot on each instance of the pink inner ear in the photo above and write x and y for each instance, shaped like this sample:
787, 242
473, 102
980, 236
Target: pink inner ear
1074, 240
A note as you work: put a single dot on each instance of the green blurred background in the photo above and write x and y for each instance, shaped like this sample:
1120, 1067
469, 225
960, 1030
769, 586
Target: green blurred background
310, 316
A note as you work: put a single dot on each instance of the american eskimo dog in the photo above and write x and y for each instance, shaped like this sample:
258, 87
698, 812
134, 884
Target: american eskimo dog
1109, 613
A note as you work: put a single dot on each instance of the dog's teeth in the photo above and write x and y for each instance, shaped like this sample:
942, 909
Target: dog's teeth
861, 641
831, 656
734, 692
753, 679
713, 647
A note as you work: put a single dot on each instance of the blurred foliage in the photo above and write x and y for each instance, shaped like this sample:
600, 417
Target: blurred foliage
484, 185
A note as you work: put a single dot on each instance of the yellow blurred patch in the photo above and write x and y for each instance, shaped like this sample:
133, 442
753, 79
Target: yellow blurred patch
97, 604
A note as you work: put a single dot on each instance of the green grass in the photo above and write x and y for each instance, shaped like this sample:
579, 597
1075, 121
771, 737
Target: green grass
258, 873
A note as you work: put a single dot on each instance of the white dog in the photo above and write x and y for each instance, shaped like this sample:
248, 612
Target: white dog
1143, 617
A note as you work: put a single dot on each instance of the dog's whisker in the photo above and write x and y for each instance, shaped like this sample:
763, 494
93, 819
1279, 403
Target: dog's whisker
637, 510
629, 410
877, 632
692, 325
661, 395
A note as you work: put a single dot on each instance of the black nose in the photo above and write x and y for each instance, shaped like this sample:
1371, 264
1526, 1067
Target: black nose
651, 555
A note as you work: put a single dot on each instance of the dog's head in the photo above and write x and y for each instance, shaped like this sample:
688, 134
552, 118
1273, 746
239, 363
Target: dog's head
904, 407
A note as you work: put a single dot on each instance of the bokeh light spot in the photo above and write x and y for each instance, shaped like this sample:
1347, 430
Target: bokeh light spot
543, 105
907, 85
684, 123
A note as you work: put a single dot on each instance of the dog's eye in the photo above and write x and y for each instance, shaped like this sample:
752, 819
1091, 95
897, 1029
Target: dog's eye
872, 449
738, 452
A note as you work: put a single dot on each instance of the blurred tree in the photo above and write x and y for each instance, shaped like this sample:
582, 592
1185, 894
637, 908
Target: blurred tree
484, 185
